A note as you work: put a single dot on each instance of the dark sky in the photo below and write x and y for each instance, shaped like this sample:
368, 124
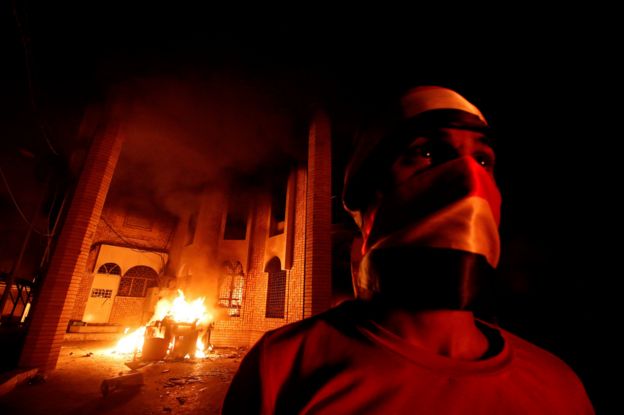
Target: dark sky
541, 79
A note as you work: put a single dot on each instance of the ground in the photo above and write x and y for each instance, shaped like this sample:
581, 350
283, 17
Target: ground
184, 387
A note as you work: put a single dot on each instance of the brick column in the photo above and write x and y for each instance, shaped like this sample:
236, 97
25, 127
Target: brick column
317, 289
55, 302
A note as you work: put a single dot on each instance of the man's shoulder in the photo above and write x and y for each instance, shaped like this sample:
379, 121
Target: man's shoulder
541, 363
336, 321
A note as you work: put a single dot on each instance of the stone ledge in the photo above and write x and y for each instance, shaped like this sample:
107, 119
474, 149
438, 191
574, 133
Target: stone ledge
95, 329
9, 380
70, 337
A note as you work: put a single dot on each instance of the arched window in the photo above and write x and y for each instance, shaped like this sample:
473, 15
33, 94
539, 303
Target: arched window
276, 289
231, 287
136, 281
109, 268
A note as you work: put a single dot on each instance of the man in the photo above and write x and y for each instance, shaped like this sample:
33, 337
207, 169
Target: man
423, 194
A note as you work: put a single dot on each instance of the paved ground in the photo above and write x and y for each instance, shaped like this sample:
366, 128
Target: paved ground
188, 387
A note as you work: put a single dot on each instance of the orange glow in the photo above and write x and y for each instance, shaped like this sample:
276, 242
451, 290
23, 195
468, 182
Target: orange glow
177, 311
183, 311
200, 348
131, 342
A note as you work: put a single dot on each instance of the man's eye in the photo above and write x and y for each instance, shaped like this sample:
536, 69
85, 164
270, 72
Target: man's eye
426, 152
423, 151
485, 160
417, 153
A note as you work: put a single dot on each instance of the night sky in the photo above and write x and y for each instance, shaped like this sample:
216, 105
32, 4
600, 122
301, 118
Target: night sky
542, 81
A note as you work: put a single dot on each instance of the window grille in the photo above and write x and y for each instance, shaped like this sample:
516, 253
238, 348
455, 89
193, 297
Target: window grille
136, 281
231, 288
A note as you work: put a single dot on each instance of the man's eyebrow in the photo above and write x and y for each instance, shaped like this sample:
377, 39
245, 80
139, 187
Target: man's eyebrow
486, 140
419, 140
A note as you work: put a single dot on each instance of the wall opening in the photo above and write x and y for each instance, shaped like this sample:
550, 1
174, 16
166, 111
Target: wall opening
231, 286
278, 206
236, 218
276, 289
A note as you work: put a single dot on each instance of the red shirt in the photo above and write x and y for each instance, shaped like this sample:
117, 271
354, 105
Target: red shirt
340, 362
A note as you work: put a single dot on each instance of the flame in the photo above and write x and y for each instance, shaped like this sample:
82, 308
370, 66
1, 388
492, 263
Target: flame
181, 311
199, 349
131, 342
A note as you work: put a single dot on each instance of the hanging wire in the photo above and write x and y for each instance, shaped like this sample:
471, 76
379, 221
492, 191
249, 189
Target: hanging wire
18, 208
29, 78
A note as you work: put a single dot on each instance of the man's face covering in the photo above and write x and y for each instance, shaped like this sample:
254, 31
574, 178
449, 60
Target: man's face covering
430, 231
453, 205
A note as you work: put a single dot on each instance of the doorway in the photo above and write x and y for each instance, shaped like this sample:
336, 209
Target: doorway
100, 301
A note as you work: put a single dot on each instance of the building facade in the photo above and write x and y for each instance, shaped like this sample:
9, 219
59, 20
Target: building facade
260, 256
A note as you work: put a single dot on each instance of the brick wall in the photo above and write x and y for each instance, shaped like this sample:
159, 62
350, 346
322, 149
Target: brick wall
155, 236
317, 292
252, 324
235, 331
127, 311
296, 277
54, 305
309, 279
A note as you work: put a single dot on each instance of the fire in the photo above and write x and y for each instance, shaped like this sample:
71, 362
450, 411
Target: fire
200, 348
175, 323
182, 311
131, 342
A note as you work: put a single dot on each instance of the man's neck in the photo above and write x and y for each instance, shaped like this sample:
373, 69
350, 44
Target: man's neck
449, 333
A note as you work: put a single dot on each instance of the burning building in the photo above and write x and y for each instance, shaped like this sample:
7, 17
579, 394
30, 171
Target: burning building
243, 219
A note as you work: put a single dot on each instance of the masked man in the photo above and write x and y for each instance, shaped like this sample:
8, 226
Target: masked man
422, 191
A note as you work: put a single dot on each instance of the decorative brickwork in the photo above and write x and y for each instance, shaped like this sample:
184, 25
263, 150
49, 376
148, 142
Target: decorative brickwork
311, 251
53, 307
295, 278
317, 294
117, 227
127, 311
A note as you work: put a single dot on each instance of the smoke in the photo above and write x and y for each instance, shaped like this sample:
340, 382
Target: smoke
184, 134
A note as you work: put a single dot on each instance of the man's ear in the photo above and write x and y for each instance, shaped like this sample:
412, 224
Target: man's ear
356, 252
356, 258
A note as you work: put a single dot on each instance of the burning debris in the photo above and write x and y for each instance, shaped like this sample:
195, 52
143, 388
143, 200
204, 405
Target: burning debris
178, 330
